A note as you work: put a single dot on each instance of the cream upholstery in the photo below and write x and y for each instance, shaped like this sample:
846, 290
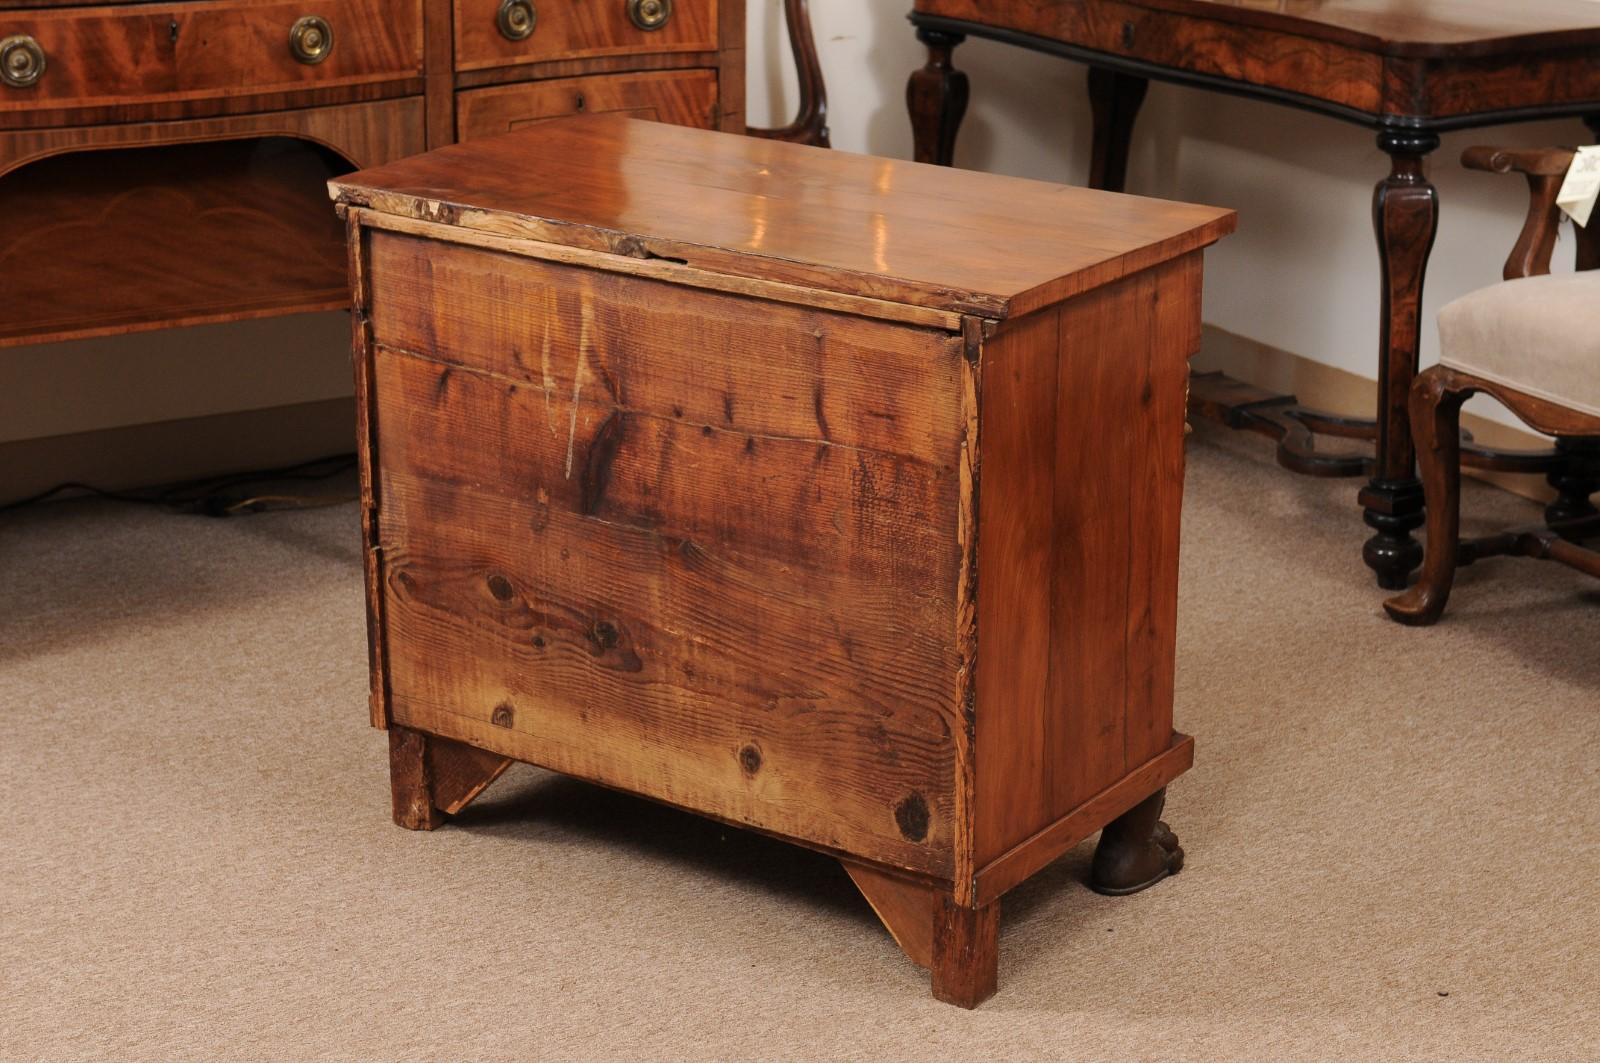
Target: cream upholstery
1539, 335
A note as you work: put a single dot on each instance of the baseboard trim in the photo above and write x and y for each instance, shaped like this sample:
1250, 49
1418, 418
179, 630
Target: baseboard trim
140, 455
1340, 391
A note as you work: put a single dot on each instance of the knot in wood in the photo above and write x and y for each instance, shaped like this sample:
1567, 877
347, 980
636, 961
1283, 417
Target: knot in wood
604, 634
911, 816
750, 759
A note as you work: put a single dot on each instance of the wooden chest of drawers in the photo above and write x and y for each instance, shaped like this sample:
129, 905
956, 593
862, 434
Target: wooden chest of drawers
124, 125
825, 495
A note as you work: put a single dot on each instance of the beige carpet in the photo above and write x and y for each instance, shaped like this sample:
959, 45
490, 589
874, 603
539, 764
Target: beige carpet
1392, 833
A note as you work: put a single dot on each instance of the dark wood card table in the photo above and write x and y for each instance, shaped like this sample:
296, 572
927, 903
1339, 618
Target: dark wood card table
824, 495
1409, 69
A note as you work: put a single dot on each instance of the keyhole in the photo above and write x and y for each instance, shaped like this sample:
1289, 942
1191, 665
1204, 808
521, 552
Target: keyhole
581, 102
172, 29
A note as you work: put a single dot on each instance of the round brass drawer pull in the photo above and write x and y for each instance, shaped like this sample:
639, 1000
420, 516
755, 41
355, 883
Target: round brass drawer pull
21, 61
516, 19
649, 14
311, 39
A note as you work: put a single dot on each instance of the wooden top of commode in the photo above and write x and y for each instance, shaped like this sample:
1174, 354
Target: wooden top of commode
857, 225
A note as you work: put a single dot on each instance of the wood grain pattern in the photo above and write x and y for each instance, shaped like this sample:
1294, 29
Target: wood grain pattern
433, 778
1082, 489
88, 249
823, 376
438, 45
151, 53
905, 907
1013, 867
64, 272
569, 30
966, 953
363, 134
901, 592
641, 661
731, 60
1421, 28
1448, 88
1207, 43
965, 242
1016, 557
636, 259
1429, 60
624, 477
687, 97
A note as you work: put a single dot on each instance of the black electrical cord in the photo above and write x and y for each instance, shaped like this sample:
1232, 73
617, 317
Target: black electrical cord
215, 496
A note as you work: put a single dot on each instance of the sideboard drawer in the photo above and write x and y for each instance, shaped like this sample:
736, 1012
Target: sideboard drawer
137, 54
679, 97
494, 33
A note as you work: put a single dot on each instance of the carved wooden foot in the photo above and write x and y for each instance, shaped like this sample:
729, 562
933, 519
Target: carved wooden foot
959, 945
1136, 850
434, 778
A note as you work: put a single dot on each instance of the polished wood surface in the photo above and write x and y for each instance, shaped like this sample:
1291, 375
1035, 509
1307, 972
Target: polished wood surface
152, 60
584, 29
965, 242
1426, 61
1405, 27
892, 581
401, 75
1408, 69
687, 97
89, 249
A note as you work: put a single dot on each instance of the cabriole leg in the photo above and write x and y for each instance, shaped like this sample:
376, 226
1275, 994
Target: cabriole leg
1436, 422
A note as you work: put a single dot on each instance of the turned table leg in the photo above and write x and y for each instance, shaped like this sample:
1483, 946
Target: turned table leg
1405, 213
1115, 100
936, 95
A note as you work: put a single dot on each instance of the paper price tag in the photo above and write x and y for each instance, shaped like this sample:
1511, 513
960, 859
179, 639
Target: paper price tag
1582, 187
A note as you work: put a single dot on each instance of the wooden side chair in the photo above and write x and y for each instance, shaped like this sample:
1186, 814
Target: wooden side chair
1533, 343
810, 125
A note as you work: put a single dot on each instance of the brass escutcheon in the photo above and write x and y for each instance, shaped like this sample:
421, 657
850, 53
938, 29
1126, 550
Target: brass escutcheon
21, 61
516, 19
311, 39
649, 14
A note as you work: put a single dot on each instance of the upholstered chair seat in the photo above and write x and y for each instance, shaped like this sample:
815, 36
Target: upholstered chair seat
1536, 335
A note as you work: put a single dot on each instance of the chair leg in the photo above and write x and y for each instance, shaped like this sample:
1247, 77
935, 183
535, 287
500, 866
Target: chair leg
1436, 400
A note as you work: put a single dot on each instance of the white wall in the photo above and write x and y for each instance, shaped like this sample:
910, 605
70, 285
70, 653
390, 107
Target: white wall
1301, 273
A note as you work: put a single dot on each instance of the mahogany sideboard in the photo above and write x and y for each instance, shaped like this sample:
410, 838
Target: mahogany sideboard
1409, 69
826, 495
164, 163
